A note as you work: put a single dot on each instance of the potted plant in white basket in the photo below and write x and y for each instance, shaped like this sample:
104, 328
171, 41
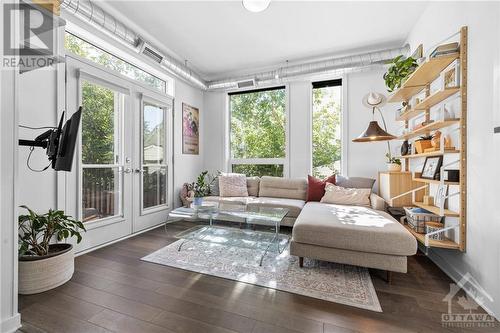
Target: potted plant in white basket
393, 163
42, 265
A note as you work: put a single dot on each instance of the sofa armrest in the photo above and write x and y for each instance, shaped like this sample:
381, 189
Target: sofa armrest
377, 202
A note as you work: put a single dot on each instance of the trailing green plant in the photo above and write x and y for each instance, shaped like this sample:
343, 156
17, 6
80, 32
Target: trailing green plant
392, 160
37, 230
201, 187
400, 68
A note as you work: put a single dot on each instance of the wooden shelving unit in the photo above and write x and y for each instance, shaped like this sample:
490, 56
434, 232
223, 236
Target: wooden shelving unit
425, 73
428, 102
436, 210
429, 154
418, 82
436, 125
445, 244
433, 181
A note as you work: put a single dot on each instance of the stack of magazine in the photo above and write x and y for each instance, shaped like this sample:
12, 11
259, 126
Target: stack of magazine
445, 49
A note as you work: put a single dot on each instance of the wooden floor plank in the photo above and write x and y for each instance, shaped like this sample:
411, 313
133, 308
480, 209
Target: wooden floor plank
113, 290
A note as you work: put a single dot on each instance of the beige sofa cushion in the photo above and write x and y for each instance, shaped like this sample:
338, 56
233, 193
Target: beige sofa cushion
253, 186
294, 206
352, 228
277, 187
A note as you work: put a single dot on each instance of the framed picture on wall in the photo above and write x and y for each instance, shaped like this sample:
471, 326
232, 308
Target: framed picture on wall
190, 129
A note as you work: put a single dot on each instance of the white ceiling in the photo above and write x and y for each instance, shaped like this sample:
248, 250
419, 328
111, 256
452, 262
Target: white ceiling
219, 38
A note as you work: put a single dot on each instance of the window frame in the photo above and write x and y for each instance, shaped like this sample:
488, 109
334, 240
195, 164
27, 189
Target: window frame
285, 161
344, 129
140, 64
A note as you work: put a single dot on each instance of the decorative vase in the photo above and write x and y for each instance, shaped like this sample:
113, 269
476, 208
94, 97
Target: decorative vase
405, 148
41, 273
393, 167
198, 201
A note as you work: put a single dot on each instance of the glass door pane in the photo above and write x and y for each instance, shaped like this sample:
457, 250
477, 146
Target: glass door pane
101, 157
154, 168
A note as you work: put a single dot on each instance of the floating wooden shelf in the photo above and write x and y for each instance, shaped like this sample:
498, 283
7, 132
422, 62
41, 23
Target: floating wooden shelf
434, 181
445, 244
427, 103
423, 75
436, 98
404, 94
436, 210
428, 128
429, 154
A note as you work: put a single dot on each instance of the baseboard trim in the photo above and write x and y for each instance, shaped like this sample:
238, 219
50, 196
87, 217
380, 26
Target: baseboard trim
11, 324
456, 276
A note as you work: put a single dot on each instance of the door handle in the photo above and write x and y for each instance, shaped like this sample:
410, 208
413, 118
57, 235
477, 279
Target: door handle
139, 170
127, 170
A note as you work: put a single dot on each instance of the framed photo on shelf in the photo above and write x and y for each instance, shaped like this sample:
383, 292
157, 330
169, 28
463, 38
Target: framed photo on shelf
451, 76
440, 198
431, 167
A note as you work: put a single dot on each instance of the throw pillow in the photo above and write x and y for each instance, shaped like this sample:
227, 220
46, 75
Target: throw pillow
346, 196
316, 187
354, 182
214, 187
233, 185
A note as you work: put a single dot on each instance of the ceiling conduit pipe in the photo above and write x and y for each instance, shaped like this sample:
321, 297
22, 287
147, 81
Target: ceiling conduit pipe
314, 68
88, 11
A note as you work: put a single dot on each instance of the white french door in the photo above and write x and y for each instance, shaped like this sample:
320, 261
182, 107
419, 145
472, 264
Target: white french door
153, 167
121, 177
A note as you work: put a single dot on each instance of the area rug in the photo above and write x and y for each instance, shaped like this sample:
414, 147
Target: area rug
235, 254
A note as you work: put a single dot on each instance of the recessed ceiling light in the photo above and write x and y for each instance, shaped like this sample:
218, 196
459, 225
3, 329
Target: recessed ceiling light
256, 6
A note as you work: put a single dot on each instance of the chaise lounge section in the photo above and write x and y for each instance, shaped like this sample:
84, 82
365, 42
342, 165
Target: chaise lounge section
354, 235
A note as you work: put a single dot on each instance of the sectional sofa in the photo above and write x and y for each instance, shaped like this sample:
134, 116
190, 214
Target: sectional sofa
355, 235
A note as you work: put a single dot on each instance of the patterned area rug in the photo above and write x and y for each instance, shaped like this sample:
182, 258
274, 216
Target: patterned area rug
235, 254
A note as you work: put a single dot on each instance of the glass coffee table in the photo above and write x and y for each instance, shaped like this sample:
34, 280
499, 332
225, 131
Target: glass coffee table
238, 213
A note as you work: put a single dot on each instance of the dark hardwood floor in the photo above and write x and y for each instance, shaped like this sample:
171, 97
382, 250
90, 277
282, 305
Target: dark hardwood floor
112, 290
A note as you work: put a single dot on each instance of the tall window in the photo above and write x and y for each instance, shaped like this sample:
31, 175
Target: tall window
327, 128
89, 51
258, 134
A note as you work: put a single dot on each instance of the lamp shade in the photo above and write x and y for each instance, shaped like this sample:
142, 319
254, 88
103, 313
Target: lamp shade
374, 133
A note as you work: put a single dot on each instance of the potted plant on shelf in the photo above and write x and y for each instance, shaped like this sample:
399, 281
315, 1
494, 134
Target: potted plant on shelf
393, 163
399, 70
42, 265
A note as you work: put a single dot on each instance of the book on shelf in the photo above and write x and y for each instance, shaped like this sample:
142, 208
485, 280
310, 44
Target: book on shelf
445, 49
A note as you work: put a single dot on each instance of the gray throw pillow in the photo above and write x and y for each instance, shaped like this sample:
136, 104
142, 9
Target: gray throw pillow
214, 187
354, 182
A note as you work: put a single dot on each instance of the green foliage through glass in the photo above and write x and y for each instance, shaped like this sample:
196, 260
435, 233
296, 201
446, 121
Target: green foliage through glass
86, 50
326, 131
258, 124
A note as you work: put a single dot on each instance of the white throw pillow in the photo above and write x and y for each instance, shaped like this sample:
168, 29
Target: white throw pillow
233, 185
346, 196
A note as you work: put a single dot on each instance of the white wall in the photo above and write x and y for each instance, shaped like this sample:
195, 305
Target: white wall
37, 107
187, 167
363, 159
439, 21
9, 316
